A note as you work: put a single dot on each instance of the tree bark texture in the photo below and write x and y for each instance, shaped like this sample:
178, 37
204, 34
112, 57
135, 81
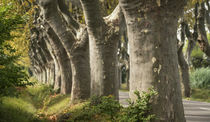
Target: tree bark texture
103, 49
152, 27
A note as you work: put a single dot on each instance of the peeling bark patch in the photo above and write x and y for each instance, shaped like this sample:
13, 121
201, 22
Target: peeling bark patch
158, 2
154, 60
145, 31
155, 69
159, 68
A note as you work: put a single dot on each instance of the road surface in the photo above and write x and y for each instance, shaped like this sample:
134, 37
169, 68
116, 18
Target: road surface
194, 111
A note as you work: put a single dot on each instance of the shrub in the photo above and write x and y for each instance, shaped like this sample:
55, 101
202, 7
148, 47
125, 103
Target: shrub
139, 110
198, 62
199, 59
106, 108
200, 78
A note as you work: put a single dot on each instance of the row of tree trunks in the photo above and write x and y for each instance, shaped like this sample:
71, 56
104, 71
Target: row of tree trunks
87, 54
67, 43
199, 35
103, 49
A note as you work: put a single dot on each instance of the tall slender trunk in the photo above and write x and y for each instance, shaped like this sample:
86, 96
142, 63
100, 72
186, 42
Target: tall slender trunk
57, 83
202, 38
152, 28
185, 80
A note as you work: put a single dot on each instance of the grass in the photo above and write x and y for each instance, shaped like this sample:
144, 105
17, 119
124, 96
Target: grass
16, 110
123, 87
202, 95
33, 104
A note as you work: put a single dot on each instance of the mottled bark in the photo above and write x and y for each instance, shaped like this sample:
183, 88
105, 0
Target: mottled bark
38, 55
56, 73
62, 58
207, 15
184, 69
192, 37
152, 28
184, 74
202, 38
55, 21
80, 69
103, 49
190, 45
75, 44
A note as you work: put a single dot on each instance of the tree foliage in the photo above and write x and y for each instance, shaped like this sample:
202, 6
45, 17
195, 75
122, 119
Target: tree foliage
11, 73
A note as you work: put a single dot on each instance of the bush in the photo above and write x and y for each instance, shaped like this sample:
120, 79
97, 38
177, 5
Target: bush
139, 110
98, 108
106, 108
200, 78
198, 62
198, 58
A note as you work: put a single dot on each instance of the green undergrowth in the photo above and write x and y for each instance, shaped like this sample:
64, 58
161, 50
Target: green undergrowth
39, 103
32, 104
202, 95
200, 84
107, 109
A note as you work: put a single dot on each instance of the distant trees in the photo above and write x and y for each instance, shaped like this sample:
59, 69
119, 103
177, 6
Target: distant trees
201, 23
198, 35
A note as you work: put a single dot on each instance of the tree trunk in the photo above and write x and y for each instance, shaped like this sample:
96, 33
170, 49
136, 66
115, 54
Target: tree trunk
63, 60
103, 50
57, 83
56, 70
152, 28
185, 80
80, 69
64, 36
74, 40
202, 38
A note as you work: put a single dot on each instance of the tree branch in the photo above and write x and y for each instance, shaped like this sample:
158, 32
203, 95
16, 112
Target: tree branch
93, 16
52, 16
114, 16
67, 16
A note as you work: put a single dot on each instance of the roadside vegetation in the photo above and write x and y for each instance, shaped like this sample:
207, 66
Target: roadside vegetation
32, 104
40, 103
200, 84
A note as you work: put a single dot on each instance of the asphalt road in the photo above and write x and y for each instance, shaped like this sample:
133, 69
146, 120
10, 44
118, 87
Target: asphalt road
194, 111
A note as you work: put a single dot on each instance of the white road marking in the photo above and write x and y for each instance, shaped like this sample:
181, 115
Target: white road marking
205, 108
